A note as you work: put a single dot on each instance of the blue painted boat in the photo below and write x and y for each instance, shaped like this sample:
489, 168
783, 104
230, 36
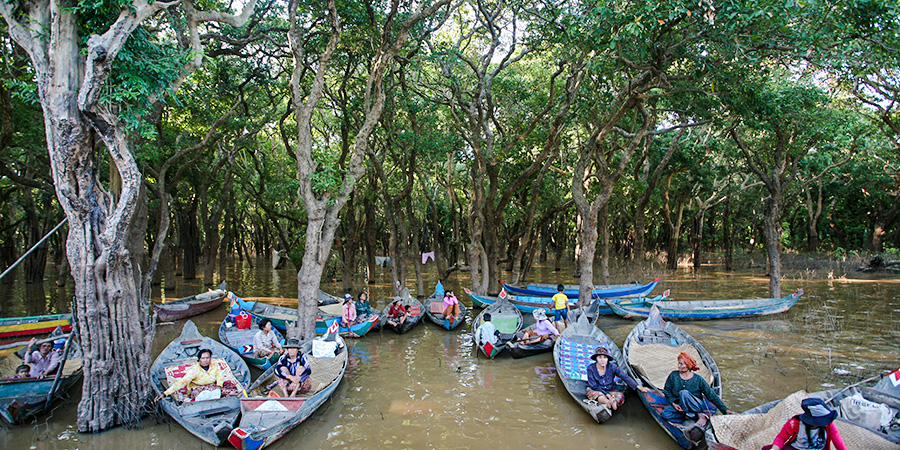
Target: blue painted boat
706, 309
434, 310
599, 291
527, 304
241, 341
651, 351
266, 416
26, 398
416, 311
280, 315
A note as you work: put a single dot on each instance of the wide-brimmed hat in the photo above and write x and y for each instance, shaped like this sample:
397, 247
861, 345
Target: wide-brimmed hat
816, 413
539, 314
292, 343
601, 351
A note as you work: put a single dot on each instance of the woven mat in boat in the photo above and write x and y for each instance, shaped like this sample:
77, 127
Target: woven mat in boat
325, 370
753, 431
8, 366
657, 361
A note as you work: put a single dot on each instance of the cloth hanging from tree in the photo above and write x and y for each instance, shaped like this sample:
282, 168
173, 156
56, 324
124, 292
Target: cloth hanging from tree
427, 255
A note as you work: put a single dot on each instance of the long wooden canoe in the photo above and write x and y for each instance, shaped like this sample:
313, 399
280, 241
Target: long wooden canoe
705, 309
572, 355
529, 303
416, 311
520, 350
651, 352
209, 420
506, 319
190, 306
281, 315
434, 310
266, 417
599, 291
31, 325
765, 421
241, 341
26, 398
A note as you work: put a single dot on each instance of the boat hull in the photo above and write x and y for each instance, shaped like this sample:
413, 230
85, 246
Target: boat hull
32, 325
438, 318
706, 309
507, 320
601, 291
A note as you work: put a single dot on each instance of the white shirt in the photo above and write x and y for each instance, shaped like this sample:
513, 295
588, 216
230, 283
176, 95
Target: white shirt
485, 333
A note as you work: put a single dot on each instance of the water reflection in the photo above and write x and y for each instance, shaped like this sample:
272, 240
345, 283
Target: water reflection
429, 389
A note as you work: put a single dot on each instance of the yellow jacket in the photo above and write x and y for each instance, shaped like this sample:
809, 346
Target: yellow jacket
195, 376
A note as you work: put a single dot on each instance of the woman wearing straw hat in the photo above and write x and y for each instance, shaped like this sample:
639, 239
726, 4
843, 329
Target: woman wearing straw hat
602, 386
543, 329
812, 430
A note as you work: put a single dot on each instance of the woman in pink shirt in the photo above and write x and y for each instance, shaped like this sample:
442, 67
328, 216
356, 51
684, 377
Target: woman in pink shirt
348, 316
451, 305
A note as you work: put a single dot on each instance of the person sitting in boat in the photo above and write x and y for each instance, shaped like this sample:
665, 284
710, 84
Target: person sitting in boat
363, 307
265, 341
22, 371
204, 376
293, 370
451, 305
397, 313
348, 311
486, 332
543, 329
685, 390
813, 430
602, 386
560, 307
43, 361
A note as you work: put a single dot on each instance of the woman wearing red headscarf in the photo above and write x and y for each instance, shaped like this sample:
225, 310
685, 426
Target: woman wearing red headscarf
685, 392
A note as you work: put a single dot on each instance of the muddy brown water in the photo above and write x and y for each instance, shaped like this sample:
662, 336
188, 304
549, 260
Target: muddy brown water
427, 389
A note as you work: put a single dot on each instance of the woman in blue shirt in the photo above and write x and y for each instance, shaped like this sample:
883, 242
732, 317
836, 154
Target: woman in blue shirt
602, 385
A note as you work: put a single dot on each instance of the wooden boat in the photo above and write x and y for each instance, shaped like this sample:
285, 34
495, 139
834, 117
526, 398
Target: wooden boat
529, 303
480, 301
26, 398
210, 420
506, 319
329, 314
762, 423
328, 299
266, 417
31, 325
706, 309
572, 355
190, 306
434, 310
241, 341
416, 311
651, 351
280, 315
520, 350
599, 291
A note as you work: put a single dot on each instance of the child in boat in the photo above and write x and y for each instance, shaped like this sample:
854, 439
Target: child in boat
22, 371
560, 308
486, 332
814, 429
348, 311
293, 370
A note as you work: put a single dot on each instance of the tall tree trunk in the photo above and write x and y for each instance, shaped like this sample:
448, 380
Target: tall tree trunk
604, 243
727, 236
370, 241
772, 233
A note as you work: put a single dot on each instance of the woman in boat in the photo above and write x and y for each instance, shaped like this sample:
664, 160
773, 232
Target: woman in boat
265, 341
293, 370
348, 311
43, 361
813, 430
363, 307
397, 313
204, 376
602, 386
685, 390
451, 305
543, 329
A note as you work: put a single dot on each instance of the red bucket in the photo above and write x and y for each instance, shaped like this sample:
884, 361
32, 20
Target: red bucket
243, 321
